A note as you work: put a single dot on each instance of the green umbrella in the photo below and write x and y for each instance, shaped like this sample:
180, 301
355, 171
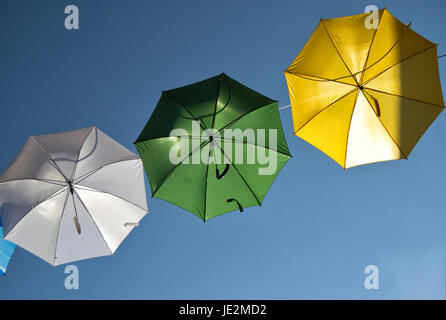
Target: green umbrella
213, 147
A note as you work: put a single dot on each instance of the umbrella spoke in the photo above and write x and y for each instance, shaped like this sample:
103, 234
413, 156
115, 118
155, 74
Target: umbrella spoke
331, 104
50, 159
184, 107
397, 63
181, 162
244, 180
403, 97
331, 40
391, 137
88, 174
109, 193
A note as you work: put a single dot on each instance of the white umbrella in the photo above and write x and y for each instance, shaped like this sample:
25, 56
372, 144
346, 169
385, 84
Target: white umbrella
71, 196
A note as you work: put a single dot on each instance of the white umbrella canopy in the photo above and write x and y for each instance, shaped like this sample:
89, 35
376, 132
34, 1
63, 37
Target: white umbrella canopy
72, 196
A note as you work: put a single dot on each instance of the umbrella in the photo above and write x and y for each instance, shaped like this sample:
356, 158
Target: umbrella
71, 196
364, 95
6, 251
205, 147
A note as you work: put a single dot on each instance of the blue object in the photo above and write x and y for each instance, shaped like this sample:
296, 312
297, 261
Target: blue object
6, 251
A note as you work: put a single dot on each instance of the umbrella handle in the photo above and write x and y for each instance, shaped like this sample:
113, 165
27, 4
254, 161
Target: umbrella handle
77, 224
225, 171
240, 207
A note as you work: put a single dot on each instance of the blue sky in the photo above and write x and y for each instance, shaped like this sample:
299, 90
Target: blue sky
319, 225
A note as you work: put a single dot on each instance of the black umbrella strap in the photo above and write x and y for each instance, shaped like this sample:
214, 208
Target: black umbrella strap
240, 207
225, 171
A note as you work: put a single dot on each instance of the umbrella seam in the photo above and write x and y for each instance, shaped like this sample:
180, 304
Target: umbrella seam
216, 100
51, 160
205, 192
256, 145
180, 163
155, 138
58, 226
97, 227
251, 111
80, 150
370, 48
322, 79
85, 188
61, 183
88, 174
238, 172
388, 133
330, 105
49, 197
399, 62
331, 40
349, 127
174, 99
404, 97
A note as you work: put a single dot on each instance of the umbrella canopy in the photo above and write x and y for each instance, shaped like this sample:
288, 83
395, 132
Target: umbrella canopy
221, 135
71, 196
6, 251
364, 95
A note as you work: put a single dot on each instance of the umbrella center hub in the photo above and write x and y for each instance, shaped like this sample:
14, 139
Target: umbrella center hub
360, 87
70, 185
211, 138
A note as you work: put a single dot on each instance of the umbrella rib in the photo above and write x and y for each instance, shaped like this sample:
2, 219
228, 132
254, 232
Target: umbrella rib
399, 148
156, 138
53, 182
368, 53
256, 145
399, 62
88, 174
348, 131
331, 104
216, 100
404, 97
51, 160
39, 203
331, 40
97, 227
237, 119
321, 79
232, 164
174, 99
80, 149
109, 193
176, 166
343, 77
58, 227
206, 192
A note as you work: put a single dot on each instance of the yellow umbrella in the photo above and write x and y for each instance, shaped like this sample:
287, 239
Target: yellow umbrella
364, 95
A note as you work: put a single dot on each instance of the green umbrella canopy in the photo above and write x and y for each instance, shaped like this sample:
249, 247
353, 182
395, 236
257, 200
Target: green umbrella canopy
213, 147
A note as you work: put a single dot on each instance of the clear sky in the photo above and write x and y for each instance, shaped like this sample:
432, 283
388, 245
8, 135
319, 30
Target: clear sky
319, 225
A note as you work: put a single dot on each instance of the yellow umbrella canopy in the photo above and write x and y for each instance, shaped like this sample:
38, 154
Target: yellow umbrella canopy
364, 95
